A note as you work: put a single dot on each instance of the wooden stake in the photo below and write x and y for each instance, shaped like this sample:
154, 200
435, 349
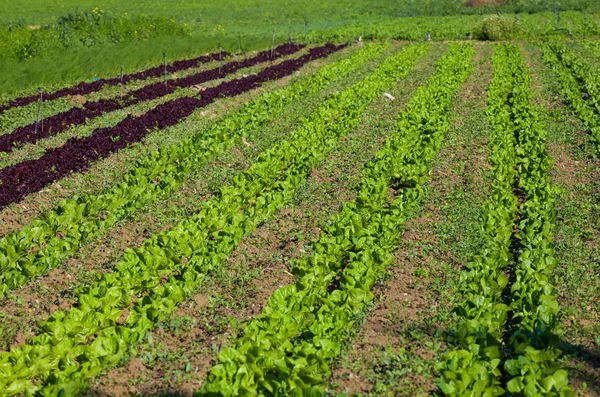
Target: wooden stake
165, 63
39, 115
305, 30
220, 60
272, 45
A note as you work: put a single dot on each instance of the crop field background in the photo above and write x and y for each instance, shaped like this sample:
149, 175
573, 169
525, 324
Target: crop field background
335, 198
53, 43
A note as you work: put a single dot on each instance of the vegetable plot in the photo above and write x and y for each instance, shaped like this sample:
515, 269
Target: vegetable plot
154, 177
580, 86
78, 154
506, 339
288, 350
63, 358
594, 46
76, 116
85, 88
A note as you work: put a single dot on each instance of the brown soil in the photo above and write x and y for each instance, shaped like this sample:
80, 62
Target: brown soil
400, 304
77, 100
568, 170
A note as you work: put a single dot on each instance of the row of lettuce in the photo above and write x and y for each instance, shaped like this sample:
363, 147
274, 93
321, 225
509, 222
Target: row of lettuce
62, 231
290, 348
505, 340
593, 46
76, 345
579, 84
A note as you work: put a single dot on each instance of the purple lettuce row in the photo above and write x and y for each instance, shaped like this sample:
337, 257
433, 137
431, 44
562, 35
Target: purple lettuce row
85, 88
60, 122
176, 66
78, 154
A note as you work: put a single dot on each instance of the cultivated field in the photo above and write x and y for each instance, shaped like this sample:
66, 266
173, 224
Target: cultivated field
383, 215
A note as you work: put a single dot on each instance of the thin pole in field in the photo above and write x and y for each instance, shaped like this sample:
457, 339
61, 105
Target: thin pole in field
272, 44
220, 60
39, 114
165, 63
305, 30
121, 76
41, 109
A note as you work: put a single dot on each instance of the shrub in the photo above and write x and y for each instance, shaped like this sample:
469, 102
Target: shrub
83, 29
497, 27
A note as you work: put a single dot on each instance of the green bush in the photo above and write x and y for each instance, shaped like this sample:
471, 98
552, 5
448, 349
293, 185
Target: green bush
87, 28
497, 27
